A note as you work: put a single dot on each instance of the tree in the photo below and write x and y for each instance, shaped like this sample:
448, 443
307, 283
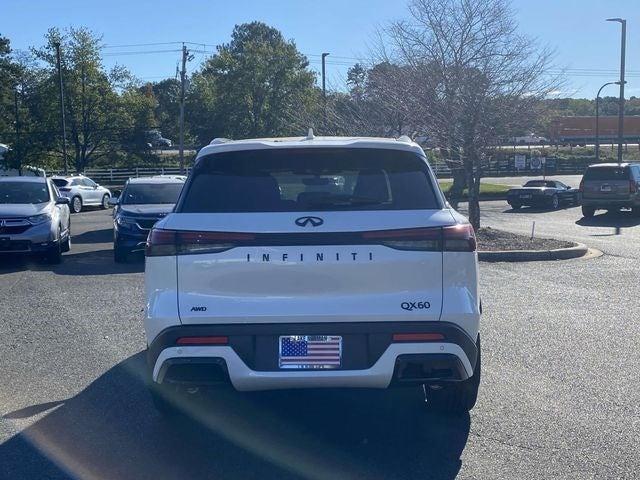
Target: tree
99, 104
470, 79
262, 83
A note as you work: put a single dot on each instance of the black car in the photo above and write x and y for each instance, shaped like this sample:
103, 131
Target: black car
543, 193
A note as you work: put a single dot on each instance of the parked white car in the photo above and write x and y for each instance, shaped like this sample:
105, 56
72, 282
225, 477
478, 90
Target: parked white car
82, 192
313, 262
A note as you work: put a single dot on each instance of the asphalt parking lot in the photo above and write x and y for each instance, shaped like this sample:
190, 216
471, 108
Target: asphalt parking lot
559, 398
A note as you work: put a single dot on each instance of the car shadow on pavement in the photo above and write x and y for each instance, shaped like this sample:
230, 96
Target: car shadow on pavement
111, 430
610, 219
96, 262
94, 236
538, 209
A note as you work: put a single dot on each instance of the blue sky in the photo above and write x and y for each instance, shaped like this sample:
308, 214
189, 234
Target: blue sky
585, 43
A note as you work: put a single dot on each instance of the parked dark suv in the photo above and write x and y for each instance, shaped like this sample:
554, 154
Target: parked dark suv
611, 186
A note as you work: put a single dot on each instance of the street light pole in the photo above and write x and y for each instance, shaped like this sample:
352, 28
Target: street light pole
598, 119
623, 40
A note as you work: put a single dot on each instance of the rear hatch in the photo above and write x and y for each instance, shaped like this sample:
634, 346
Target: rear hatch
606, 183
309, 235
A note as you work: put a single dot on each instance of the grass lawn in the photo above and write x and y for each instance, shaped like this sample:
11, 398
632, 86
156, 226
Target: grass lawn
486, 189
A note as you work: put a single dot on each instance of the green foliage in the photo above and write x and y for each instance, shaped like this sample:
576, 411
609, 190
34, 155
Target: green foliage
260, 82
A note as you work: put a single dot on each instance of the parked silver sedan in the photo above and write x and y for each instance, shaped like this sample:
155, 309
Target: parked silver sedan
34, 218
82, 192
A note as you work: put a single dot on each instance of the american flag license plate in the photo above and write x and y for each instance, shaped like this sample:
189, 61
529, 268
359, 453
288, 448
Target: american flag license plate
310, 351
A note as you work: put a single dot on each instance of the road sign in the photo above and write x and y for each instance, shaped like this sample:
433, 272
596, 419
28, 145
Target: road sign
536, 163
520, 162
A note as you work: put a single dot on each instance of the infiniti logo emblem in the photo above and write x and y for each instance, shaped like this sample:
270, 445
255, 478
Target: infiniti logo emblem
309, 221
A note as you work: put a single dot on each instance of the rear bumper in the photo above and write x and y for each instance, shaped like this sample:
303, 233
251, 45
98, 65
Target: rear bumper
608, 203
370, 358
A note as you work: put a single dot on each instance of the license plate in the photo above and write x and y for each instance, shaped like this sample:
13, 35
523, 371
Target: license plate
310, 352
605, 188
525, 196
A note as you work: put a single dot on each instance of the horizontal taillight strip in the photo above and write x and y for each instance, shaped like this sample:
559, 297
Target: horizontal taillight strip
459, 238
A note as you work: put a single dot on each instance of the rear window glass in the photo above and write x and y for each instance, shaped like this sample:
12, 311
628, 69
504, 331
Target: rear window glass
300, 180
151, 193
59, 182
607, 173
539, 183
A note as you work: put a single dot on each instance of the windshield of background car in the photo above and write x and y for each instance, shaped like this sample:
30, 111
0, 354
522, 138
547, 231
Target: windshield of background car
539, 183
607, 173
296, 180
23, 192
59, 182
151, 193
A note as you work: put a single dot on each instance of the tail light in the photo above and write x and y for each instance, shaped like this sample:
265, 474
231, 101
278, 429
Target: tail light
458, 238
425, 239
633, 187
171, 242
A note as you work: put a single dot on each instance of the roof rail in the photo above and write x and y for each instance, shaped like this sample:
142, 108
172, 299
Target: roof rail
218, 141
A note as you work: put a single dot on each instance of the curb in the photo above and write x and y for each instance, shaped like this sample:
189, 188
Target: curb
578, 250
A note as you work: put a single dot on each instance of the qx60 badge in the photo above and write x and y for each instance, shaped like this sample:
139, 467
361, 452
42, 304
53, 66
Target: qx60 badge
309, 221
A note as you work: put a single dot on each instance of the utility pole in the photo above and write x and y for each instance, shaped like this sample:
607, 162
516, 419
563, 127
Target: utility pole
183, 75
623, 40
324, 88
62, 120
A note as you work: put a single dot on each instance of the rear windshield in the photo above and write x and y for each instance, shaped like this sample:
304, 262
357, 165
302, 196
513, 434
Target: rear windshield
301, 180
607, 173
59, 182
539, 183
23, 192
151, 193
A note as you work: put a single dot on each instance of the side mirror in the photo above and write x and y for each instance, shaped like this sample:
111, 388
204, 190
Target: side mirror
113, 201
63, 201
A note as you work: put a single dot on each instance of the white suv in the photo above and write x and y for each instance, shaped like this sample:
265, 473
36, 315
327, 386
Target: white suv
82, 192
313, 262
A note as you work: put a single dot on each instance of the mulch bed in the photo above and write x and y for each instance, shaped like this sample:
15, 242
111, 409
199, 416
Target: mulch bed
492, 240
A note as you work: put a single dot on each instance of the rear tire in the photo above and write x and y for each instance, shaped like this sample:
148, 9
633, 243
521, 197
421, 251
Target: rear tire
515, 206
588, 212
76, 204
105, 202
455, 398
555, 202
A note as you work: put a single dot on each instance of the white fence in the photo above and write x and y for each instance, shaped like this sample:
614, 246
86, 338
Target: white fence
118, 176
